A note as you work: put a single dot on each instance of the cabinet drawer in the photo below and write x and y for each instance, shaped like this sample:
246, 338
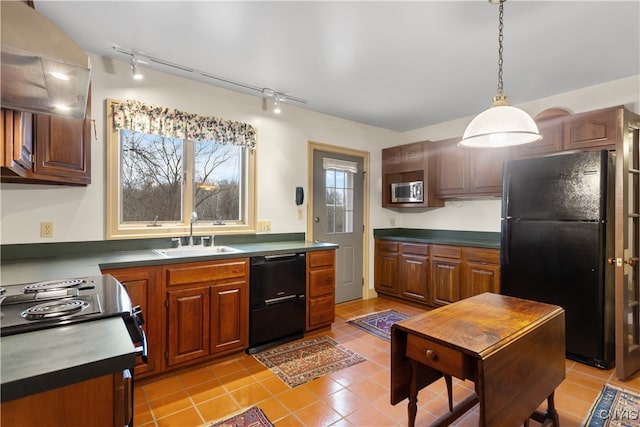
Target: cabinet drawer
321, 282
321, 258
183, 274
386, 245
321, 311
415, 248
436, 356
446, 251
487, 256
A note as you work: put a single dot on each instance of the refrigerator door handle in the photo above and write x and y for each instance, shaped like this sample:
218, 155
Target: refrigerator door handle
506, 240
505, 191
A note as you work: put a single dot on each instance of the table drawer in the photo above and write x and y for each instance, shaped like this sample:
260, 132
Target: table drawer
437, 356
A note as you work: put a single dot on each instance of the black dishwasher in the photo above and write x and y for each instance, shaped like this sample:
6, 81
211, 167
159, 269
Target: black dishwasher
277, 296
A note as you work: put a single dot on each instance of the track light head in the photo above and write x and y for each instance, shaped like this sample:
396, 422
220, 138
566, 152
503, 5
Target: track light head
137, 75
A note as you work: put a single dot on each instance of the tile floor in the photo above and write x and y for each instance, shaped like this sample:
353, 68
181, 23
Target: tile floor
355, 396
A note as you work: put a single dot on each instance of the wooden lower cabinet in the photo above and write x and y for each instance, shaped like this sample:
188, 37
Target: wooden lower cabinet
481, 272
386, 270
98, 402
434, 274
143, 286
197, 311
414, 271
446, 268
207, 309
321, 284
188, 322
229, 305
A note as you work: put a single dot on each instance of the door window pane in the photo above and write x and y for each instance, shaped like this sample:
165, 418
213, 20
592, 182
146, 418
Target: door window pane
339, 200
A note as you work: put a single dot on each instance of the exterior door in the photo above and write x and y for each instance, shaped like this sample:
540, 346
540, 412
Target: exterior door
627, 251
338, 216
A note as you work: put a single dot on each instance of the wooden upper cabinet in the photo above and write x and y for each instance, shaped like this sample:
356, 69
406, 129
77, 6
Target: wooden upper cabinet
485, 171
452, 168
44, 149
16, 134
468, 172
594, 129
407, 163
552, 131
63, 149
403, 158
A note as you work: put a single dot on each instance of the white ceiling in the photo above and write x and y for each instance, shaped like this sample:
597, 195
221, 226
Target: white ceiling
396, 65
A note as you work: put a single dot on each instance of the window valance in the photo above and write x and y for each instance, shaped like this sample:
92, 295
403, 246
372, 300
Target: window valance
136, 116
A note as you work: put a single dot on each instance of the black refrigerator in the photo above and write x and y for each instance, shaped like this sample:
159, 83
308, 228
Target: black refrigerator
557, 234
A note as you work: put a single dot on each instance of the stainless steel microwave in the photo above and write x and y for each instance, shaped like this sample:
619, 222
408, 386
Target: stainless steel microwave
407, 192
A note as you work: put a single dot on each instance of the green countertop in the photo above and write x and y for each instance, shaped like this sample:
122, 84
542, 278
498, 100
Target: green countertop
73, 265
480, 239
42, 360
87, 350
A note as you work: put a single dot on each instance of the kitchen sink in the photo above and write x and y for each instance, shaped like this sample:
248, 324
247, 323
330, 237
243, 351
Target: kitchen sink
193, 251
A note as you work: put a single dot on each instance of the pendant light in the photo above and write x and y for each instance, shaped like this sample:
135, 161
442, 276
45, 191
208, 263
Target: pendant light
501, 125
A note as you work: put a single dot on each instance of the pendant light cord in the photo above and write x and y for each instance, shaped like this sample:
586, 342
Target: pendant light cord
500, 48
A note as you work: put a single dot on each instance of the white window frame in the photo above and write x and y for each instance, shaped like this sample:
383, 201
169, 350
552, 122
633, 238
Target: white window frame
117, 230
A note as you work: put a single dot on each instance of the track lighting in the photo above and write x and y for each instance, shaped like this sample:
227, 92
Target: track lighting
276, 106
137, 75
197, 75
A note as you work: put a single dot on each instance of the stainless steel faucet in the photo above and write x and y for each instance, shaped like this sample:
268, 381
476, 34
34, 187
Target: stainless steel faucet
192, 220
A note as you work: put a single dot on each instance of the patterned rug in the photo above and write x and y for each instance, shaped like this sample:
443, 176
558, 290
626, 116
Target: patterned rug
379, 323
252, 417
614, 407
302, 361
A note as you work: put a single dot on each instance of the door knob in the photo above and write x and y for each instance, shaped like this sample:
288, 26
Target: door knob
316, 219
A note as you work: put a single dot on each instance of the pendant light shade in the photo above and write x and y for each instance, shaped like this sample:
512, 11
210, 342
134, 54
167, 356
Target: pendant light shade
501, 125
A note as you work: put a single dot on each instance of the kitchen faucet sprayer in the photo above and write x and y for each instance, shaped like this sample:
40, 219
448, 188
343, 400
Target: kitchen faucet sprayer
192, 220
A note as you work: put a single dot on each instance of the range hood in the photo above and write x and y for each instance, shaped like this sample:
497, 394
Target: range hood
43, 70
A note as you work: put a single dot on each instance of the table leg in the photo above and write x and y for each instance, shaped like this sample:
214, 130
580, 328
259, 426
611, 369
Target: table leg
447, 379
413, 395
551, 410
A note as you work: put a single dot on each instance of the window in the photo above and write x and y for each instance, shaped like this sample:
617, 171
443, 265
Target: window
339, 184
155, 182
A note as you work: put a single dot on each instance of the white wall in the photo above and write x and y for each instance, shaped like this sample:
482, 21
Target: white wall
78, 214
484, 215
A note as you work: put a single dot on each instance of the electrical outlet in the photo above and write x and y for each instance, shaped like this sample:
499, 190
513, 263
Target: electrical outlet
264, 225
46, 229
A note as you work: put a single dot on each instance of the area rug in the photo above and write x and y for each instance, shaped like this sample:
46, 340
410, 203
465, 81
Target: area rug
252, 417
614, 407
379, 323
302, 361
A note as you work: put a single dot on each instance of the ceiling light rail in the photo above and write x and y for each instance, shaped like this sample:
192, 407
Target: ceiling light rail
278, 97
